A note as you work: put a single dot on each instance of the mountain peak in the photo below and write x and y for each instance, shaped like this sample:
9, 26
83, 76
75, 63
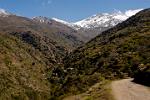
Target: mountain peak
106, 18
72, 25
59, 20
4, 13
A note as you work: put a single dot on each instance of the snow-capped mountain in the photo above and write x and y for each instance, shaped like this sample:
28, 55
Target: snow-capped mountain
92, 26
72, 25
106, 19
4, 13
100, 20
103, 20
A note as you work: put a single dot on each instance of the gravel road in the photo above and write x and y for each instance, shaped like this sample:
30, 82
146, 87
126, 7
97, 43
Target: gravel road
127, 90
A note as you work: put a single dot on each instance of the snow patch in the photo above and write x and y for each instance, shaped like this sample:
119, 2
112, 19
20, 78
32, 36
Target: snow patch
72, 25
132, 12
106, 19
4, 13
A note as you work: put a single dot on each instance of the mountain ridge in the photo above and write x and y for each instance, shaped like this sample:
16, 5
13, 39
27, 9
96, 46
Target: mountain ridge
90, 27
96, 20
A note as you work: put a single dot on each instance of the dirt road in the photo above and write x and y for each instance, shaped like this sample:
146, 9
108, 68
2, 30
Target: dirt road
127, 90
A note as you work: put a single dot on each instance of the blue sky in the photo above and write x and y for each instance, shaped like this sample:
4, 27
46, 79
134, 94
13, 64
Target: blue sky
69, 10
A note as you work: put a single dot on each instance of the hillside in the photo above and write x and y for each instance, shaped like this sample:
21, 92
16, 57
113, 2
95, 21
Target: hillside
116, 53
29, 50
53, 39
22, 71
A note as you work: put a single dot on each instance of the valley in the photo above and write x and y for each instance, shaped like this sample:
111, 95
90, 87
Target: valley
50, 59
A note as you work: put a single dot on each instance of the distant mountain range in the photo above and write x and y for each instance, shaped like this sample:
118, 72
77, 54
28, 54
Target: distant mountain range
63, 35
94, 25
106, 19
98, 20
95, 21
101, 20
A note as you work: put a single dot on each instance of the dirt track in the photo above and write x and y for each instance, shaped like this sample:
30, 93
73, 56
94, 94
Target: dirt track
127, 90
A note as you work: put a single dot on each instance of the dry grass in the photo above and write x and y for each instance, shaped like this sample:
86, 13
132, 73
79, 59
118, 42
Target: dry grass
99, 91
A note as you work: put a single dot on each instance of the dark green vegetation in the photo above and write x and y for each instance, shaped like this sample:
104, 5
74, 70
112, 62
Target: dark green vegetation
116, 53
142, 76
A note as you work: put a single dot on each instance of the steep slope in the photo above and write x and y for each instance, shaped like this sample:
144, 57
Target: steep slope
116, 53
29, 50
22, 71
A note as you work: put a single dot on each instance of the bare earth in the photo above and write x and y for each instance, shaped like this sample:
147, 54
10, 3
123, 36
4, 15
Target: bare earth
127, 90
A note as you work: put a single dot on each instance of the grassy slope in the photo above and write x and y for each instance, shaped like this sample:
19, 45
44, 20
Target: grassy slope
22, 71
116, 53
99, 91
